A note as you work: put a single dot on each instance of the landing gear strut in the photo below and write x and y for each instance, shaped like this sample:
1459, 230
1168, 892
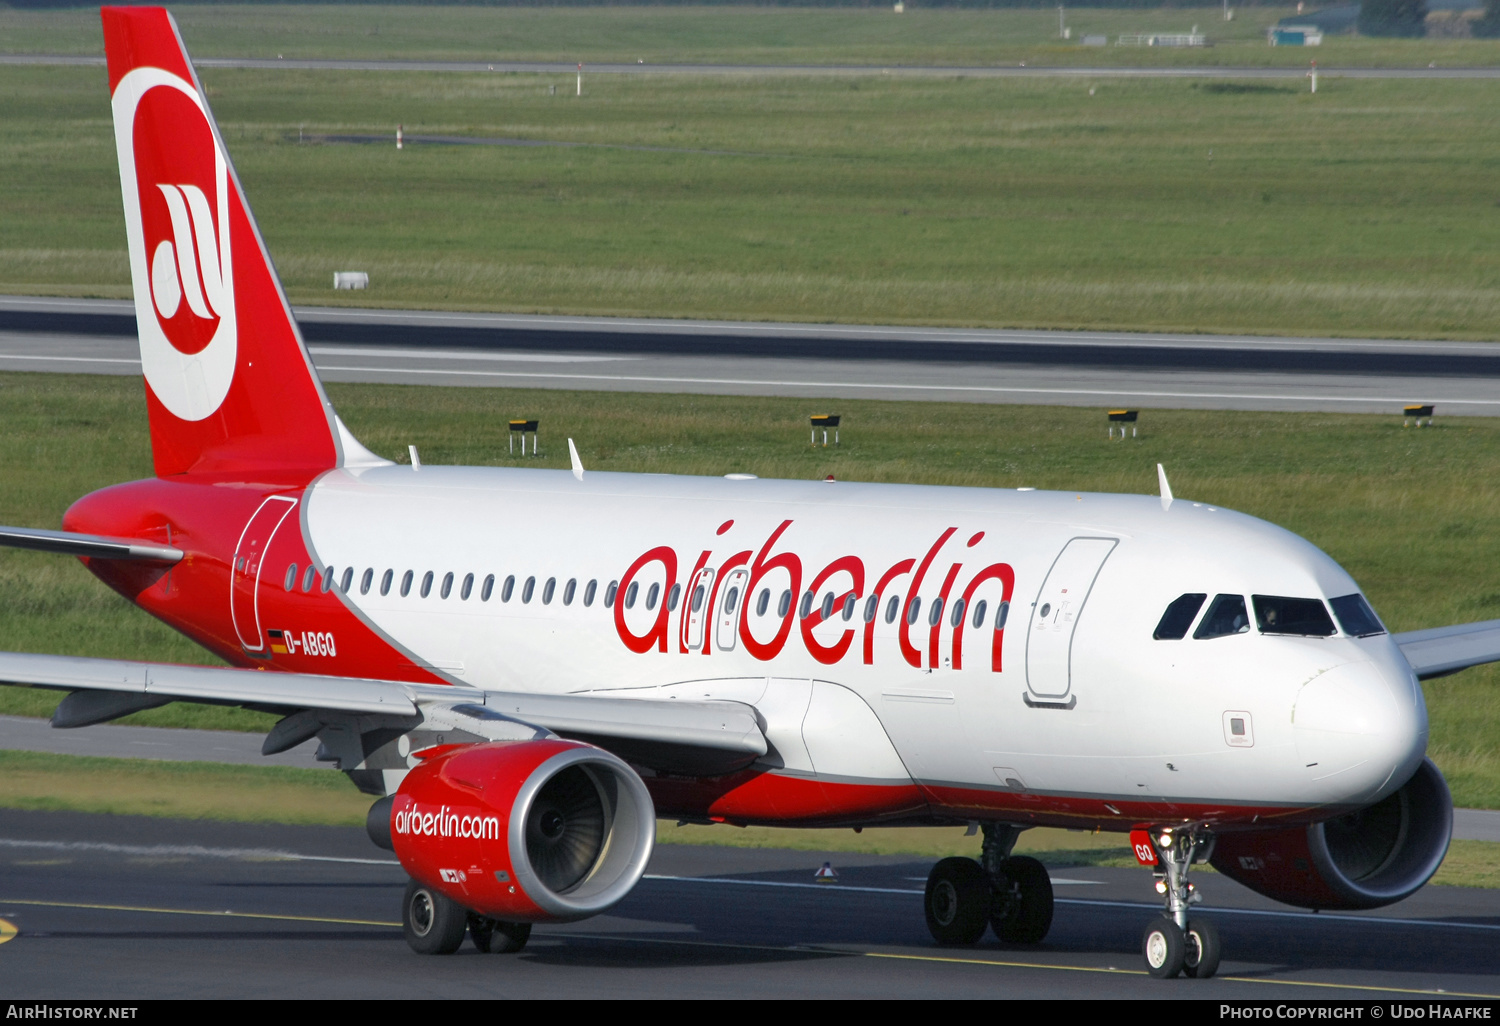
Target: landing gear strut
1178, 943
1011, 894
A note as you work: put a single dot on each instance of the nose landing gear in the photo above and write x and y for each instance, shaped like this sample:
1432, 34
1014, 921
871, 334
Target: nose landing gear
1177, 943
1011, 894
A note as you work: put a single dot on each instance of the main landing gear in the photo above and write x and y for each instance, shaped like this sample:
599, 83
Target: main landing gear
1177, 943
1010, 894
435, 925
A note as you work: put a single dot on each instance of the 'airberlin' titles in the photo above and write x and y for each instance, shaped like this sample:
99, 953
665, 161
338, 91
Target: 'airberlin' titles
834, 593
446, 823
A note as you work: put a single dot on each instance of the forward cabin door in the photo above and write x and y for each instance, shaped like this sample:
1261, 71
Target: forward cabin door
248, 554
1049, 642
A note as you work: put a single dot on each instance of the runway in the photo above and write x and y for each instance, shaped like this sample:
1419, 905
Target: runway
761, 70
127, 907
815, 360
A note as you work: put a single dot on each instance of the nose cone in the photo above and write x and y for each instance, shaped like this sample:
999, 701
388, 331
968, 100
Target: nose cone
1361, 729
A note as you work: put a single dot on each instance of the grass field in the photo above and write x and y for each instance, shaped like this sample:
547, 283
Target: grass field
1414, 515
739, 35
1368, 209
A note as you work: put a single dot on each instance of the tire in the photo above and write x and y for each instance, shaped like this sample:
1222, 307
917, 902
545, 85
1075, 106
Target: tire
495, 937
433, 924
957, 901
1201, 959
1164, 948
1022, 912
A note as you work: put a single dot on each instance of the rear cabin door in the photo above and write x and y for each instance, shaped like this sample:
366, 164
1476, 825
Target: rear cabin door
1049, 642
256, 539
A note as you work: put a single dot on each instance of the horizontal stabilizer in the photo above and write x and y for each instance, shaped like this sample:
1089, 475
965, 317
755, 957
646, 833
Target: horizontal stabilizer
94, 545
1443, 650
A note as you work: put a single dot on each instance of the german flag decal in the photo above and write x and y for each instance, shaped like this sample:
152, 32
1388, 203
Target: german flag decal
278, 642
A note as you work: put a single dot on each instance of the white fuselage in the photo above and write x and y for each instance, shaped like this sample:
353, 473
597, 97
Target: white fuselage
1085, 702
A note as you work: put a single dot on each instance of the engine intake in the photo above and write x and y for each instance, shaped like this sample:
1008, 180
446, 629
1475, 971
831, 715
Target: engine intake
1366, 859
524, 831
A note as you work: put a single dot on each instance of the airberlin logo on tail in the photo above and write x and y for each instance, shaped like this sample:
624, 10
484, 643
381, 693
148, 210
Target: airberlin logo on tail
176, 189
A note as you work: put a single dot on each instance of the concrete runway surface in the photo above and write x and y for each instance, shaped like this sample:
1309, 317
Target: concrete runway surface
816, 361
127, 907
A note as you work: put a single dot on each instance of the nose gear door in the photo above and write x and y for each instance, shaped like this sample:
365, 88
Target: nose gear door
1049, 642
244, 581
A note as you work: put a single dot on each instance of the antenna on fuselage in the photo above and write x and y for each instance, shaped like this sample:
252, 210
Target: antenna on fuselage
577, 463
1166, 489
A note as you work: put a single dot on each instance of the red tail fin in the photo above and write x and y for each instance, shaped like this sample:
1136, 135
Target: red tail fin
229, 384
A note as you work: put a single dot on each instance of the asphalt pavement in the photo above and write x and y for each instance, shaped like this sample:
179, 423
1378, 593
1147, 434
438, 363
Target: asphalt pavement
132, 907
829, 361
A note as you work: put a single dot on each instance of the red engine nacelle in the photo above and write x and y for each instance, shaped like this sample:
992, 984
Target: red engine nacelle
523, 831
1369, 858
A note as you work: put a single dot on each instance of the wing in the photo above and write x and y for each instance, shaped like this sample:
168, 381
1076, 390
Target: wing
70, 544
670, 736
1444, 650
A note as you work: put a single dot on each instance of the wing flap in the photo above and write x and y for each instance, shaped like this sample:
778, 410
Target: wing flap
1443, 650
663, 734
97, 546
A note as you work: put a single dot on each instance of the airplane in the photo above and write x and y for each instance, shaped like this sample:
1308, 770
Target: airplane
510, 661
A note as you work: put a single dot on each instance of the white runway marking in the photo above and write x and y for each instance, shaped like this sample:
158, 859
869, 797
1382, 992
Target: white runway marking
976, 389
423, 354
185, 850
1321, 916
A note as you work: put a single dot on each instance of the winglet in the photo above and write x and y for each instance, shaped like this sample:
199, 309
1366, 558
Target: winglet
1166, 489
577, 463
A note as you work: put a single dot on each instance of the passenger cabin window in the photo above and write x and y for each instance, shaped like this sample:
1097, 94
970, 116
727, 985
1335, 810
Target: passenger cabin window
763, 602
1356, 616
406, 579
610, 593
807, 601
349, 580
427, 584
385, 581
872, 606
1180, 614
569, 590
630, 594
1225, 617
328, 576
935, 615
849, 604
980, 608
674, 597
915, 608
308, 577
507, 588
1306, 617
785, 603
447, 588
588, 592
528, 589
547, 591
467, 587
291, 577
366, 579
488, 588
892, 608
957, 616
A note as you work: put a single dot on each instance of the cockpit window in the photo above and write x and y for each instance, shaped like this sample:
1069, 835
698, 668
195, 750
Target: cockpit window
1276, 614
1179, 616
1356, 616
1225, 616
